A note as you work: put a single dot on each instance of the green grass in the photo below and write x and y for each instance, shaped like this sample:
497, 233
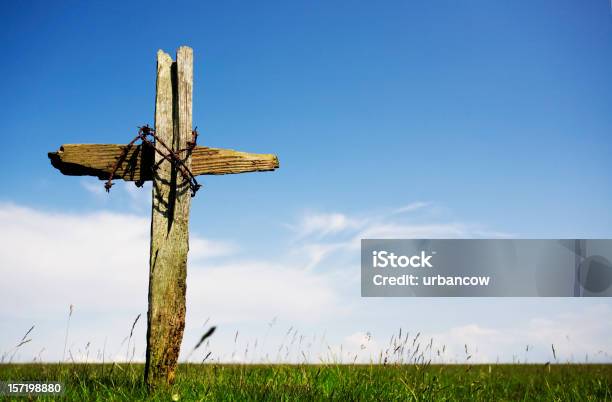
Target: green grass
93, 382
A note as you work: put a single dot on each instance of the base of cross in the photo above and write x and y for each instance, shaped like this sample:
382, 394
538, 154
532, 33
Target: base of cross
164, 161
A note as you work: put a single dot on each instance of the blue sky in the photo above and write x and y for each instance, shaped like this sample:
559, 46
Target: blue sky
494, 115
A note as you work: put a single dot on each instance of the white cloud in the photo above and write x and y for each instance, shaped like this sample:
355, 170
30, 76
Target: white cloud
200, 248
243, 291
577, 337
392, 230
320, 236
413, 206
322, 224
574, 336
99, 263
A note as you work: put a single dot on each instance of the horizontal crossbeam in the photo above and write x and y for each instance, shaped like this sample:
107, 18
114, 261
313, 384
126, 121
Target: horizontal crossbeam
99, 159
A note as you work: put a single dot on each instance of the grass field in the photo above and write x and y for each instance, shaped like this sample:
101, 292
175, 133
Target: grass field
92, 382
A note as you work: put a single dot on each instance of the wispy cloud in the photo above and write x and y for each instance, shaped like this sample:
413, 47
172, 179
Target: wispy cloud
414, 206
320, 236
323, 224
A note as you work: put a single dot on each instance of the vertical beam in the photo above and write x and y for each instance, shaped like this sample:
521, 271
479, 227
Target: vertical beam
169, 220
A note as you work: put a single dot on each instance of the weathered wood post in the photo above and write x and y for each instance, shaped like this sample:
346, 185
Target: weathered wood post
171, 198
170, 218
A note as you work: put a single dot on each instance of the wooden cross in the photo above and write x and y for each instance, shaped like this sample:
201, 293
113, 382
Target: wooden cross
171, 199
